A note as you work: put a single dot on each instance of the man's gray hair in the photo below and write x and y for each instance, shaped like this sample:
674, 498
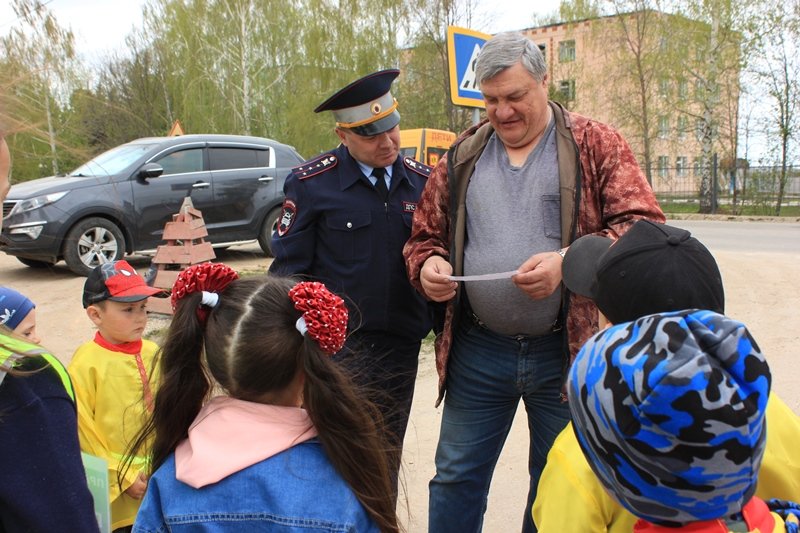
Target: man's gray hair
504, 50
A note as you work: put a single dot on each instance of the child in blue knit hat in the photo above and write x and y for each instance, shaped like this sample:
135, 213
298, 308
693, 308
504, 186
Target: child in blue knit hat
669, 411
18, 313
651, 269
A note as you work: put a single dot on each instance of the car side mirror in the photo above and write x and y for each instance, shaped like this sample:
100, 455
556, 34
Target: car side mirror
151, 170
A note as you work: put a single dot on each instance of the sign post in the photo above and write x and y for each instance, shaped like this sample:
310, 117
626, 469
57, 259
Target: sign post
463, 47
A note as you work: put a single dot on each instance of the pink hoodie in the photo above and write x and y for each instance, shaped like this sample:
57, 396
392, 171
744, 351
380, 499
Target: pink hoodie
229, 435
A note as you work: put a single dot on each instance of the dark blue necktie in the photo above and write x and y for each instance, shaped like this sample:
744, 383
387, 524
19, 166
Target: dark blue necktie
378, 173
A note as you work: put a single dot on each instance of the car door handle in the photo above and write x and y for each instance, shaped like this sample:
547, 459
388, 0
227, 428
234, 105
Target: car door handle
266, 178
201, 185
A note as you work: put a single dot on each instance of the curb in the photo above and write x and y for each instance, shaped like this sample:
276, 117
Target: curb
732, 218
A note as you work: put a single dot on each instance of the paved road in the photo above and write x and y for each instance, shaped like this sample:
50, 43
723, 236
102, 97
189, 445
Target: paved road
779, 237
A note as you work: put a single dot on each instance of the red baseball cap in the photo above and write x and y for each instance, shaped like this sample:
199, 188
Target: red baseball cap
116, 281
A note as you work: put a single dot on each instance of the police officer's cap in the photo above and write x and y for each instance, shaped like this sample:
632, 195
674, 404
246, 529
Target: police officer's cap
366, 106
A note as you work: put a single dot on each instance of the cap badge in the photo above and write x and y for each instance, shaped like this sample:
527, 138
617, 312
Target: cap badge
376, 108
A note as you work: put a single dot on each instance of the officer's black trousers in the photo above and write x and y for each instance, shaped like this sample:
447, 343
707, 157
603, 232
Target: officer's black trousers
385, 367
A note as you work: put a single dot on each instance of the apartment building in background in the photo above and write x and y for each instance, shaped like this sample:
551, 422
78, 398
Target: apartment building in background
648, 74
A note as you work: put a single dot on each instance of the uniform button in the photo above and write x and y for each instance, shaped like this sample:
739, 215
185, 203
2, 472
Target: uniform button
349, 225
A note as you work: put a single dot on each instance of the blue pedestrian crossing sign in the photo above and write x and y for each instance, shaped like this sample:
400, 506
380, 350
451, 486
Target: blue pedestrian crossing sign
463, 47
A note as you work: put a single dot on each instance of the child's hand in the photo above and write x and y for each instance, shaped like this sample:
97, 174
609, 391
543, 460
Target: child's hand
136, 491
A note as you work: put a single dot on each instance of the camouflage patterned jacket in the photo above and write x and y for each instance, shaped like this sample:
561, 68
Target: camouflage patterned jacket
603, 195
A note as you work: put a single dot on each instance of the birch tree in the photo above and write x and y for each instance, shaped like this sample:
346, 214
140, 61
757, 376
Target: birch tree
712, 42
40, 53
778, 74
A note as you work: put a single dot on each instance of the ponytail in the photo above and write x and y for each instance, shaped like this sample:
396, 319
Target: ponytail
183, 387
345, 421
347, 428
185, 383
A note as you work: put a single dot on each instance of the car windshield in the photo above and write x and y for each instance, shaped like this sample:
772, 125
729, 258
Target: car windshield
112, 161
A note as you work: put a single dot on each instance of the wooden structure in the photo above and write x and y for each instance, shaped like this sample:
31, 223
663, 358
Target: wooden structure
185, 245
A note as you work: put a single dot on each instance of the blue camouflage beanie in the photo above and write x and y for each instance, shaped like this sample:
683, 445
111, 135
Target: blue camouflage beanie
669, 411
14, 307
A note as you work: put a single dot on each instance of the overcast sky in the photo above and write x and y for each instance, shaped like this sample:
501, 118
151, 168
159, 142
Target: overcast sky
100, 26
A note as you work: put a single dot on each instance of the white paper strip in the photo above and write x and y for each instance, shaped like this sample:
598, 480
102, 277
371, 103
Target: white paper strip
484, 277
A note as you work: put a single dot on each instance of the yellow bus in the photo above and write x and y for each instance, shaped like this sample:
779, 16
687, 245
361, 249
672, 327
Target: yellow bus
426, 145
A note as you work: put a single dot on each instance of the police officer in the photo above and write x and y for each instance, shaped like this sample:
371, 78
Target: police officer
344, 222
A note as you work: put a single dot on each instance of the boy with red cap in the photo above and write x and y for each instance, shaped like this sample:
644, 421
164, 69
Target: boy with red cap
112, 379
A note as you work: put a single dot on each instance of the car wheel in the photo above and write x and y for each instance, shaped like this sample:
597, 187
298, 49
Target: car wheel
91, 242
34, 263
268, 229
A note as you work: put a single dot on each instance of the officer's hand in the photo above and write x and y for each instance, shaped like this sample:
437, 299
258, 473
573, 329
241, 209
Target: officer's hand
434, 279
540, 275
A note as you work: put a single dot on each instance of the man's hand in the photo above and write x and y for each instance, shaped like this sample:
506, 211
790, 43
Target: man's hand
540, 275
434, 279
136, 491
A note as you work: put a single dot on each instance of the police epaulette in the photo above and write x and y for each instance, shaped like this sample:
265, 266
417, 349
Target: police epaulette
315, 166
420, 168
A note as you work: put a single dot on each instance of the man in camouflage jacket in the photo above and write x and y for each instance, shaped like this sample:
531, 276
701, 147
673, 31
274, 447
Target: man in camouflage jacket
601, 190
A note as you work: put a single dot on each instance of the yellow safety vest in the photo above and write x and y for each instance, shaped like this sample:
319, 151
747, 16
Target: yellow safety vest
13, 350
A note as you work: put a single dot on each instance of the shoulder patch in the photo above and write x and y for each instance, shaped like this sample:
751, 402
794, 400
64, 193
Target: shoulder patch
315, 166
415, 166
288, 215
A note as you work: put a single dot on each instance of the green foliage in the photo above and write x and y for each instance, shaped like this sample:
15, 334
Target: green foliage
37, 71
579, 10
228, 68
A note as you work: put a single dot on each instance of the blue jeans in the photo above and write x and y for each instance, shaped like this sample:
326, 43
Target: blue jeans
487, 374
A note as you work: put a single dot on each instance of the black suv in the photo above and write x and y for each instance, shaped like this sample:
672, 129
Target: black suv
119, 201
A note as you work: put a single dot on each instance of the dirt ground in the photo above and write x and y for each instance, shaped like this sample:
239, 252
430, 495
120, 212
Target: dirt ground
761, 290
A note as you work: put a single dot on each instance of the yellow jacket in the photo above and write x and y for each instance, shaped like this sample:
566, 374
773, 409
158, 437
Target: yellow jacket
111, 410
571, 498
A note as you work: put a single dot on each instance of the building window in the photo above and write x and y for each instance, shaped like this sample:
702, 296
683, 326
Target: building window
683, 89
681, 163
567, 90
663, 127
683, 126
566, 51
662, 166
663, 87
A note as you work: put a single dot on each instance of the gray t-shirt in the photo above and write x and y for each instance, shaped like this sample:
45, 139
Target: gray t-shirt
512, 214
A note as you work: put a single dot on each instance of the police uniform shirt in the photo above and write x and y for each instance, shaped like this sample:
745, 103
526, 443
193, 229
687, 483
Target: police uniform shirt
335, 228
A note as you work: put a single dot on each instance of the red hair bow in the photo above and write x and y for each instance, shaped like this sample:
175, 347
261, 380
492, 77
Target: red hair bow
209, 277
324, 313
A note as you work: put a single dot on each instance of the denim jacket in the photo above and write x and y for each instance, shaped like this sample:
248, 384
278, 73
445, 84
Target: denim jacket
295, 491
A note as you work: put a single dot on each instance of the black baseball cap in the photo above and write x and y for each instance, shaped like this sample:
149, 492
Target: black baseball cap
652, 268
116, 281
365, 106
